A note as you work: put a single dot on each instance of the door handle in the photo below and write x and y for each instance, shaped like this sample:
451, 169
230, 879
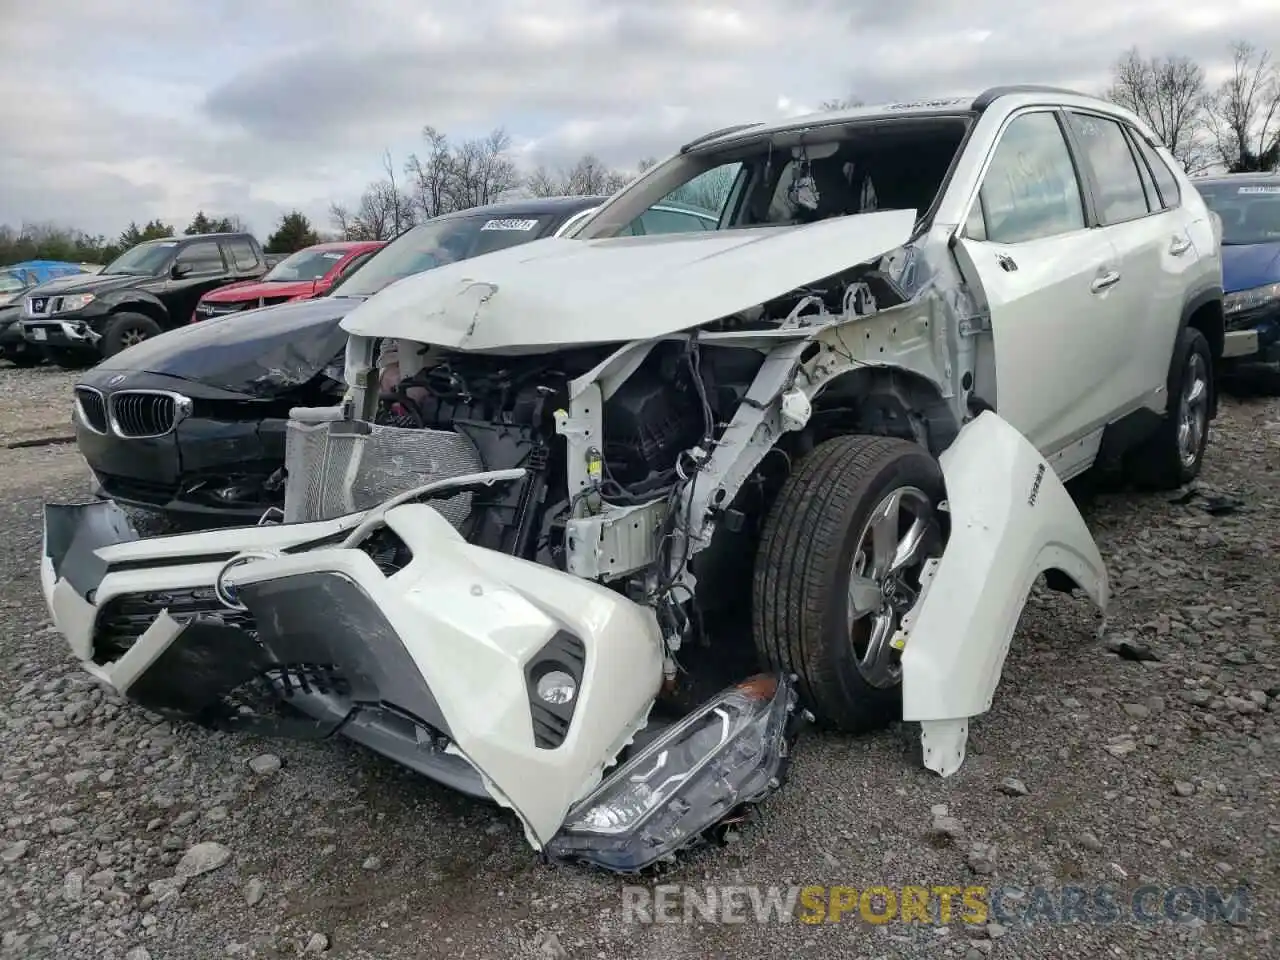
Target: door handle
1104, 282
1179, 246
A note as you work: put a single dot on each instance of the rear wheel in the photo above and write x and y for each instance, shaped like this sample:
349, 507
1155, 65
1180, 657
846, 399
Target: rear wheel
1172, 456
22, 356
838, 565
124, 330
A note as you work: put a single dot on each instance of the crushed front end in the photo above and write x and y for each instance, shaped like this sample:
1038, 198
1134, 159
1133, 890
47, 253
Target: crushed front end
416, 599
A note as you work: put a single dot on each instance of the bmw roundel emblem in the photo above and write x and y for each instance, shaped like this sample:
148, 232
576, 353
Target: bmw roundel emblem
118, 378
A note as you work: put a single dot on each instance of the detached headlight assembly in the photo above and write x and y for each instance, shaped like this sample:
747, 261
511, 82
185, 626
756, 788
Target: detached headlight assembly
74, 302
1246, 300
731, 751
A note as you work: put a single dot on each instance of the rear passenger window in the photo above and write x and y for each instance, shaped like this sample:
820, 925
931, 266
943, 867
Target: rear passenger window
203, 257
1030, 189
1144, 174
1165, 180
242, 254
1120, 195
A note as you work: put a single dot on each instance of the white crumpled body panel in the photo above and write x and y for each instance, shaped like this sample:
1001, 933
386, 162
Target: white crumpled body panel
1011, 520
560, 292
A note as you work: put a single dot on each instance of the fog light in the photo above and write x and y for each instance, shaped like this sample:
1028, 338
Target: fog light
557, 687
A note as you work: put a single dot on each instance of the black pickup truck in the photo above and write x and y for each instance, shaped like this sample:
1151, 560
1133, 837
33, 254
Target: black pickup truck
147, 290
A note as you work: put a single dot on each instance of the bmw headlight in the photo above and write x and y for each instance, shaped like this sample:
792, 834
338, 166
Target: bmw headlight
1245, 300
731, 751
74, 302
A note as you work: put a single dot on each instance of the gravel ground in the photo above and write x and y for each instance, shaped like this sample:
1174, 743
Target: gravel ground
1128, 772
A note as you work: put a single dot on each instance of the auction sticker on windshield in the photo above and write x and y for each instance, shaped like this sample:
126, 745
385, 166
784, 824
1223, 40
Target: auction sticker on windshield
1275, 189
510, 225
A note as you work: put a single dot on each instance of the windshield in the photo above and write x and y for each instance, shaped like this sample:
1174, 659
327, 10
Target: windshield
304, 265
441, 241
789, 178
1250, 212
11, 283
144, 260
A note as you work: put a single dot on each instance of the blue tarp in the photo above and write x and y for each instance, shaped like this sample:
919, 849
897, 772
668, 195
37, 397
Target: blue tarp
31, 272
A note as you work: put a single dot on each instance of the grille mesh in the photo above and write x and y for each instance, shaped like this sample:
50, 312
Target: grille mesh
334, 469
93, 409
143, 414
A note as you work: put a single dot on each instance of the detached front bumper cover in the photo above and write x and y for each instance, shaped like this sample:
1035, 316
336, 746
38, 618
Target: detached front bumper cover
732, 751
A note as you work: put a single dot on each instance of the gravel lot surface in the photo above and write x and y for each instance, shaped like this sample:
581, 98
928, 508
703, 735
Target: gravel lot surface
1128, 773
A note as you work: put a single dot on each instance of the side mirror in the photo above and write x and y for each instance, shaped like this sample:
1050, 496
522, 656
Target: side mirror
179, 270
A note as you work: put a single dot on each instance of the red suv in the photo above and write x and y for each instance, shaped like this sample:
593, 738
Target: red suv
308, 273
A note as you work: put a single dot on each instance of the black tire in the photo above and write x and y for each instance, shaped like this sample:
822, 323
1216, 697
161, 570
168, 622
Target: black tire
123, 330
67, 358
801, 584
28, 357
1158, 463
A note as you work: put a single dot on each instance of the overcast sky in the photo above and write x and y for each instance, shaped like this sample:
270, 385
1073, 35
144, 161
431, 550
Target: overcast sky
118, 110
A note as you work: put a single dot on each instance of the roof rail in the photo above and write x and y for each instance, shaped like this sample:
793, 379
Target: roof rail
716, 134
989, 96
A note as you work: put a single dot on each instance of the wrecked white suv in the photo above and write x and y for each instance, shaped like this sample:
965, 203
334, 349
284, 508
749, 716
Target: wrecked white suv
826, 424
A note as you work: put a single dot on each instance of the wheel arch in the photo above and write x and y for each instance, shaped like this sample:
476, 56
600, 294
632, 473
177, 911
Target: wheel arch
149, 309
887, 401
1204, 312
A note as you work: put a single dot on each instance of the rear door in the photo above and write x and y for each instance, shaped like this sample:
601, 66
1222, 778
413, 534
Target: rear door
1049, 284
206, 271
1154, 253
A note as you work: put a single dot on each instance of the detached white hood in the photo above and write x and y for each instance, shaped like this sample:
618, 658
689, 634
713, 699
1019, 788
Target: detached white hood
562, 292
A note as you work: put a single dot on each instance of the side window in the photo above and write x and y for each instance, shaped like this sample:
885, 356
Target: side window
671, 220
203, 257
242, 255
1148, 185
707, 193
1165, 180
1107, 152
975, 227
1030, 189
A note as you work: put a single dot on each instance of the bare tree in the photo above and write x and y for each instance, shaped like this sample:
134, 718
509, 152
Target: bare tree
430, 174
543, 183
401, 205
1246, 111
482, 170
588, 177
342, 222
1168, 93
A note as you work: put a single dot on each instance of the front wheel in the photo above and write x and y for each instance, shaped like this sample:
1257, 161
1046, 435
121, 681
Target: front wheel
124, 330
838, 565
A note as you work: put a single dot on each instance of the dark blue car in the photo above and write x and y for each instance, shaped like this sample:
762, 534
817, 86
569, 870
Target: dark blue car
1249, 205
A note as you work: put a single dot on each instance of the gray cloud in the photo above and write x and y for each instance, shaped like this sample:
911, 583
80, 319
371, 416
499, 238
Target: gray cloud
254, 108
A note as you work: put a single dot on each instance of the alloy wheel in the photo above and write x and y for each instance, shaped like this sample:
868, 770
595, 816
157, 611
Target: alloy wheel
901, 533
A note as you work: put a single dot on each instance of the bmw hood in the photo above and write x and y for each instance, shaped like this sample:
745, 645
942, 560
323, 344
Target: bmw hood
1249, 265
258, 353
562, 292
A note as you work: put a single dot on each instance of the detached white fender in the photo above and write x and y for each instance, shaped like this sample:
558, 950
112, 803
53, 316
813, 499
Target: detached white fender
1011, 520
